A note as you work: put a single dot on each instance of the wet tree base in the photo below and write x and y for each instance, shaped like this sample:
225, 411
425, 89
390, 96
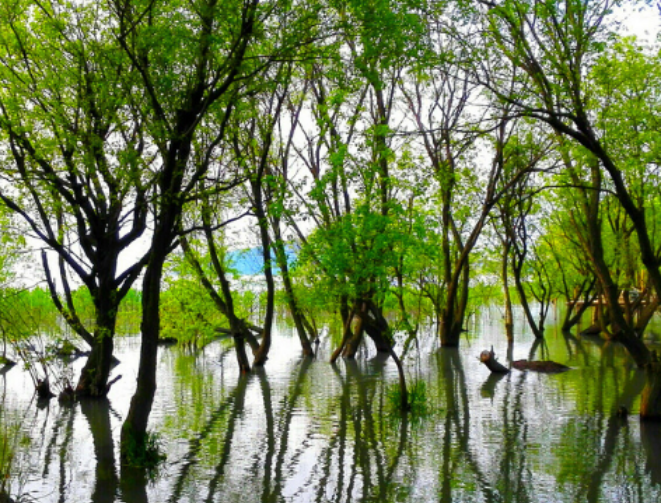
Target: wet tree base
43, 390
591, 330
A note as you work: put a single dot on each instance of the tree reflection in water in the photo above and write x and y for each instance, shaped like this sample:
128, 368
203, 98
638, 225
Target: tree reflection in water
301, 430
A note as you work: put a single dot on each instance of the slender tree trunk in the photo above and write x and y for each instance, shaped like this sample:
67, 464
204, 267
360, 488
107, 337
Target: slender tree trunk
134, 429
294, 311
504, 274
262, 353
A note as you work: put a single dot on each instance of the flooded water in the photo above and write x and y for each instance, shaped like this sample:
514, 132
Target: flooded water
306, 431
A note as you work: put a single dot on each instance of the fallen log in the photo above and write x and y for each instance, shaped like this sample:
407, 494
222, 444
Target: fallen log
489, 359
591, 330
546, 366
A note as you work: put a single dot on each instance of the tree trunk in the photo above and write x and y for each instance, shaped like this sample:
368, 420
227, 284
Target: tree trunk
262, 353
294, 310
353, 342
588, 298
509, 319
650, 402
134, 429
93, 380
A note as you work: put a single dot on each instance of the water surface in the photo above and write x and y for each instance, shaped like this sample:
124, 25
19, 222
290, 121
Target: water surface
306, 431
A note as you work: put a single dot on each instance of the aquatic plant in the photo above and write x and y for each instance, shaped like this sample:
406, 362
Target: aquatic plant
417, 399
145, 452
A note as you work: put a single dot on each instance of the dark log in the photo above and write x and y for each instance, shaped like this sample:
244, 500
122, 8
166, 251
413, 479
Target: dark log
489, 359
594, 329
546, 366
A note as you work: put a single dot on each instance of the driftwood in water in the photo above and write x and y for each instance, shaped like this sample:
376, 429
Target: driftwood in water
540, 366
489, 359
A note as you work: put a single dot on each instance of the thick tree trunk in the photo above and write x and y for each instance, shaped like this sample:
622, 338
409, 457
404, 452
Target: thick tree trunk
452, 316
378, 329
93, 380
650, 402
353, 342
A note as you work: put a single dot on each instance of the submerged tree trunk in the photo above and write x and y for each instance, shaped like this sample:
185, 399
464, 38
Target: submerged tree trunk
134, 429
292, 302
571, 317
356, 336
93, 380
262, 353
452, 316
650, 403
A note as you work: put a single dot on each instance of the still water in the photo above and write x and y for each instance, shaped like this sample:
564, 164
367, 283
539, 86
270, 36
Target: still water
306, 431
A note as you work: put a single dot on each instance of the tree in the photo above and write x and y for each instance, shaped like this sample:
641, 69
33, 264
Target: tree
551, 47
195, 63
74, 145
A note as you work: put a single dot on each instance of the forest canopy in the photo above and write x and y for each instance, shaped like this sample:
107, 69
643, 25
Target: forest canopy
415, 157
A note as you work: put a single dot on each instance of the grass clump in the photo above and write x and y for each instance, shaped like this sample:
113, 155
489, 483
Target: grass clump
418, 400
145, 452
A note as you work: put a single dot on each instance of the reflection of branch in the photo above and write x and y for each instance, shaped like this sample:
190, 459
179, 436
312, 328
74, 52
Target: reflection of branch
196, 444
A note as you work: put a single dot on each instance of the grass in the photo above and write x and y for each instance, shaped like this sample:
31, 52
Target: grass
145, 453
417, 398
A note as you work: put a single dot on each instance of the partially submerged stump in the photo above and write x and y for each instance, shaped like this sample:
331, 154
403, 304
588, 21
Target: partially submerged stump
489, 359
545, 366
650, 402
43, 390
68, 395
